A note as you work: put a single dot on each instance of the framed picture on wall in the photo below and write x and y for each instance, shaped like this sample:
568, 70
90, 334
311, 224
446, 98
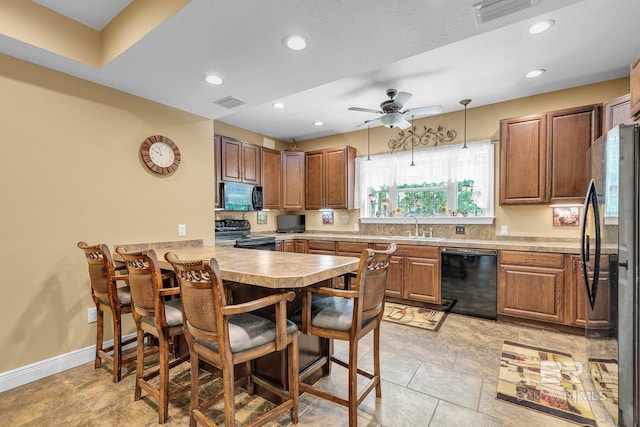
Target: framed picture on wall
566, 216
262, 217
327, 217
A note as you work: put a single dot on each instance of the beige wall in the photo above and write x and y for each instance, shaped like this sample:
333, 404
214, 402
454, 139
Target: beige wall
483, 123
71, 171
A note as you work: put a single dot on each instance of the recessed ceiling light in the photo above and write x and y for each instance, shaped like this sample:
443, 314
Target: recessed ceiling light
318, 123
542, 26
295, 42
535, 73
214, 80
277, 105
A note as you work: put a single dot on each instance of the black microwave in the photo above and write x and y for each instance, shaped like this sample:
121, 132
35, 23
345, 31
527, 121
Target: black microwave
241, 197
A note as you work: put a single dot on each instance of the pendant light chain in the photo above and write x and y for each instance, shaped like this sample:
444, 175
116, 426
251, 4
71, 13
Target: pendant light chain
465, 102
413, 134
368, 144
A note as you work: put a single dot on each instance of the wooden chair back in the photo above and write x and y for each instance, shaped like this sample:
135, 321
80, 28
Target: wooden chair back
145, 280
202, 296
101, 273
371, 282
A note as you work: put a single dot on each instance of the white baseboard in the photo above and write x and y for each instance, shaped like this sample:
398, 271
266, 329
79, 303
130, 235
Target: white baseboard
54, 365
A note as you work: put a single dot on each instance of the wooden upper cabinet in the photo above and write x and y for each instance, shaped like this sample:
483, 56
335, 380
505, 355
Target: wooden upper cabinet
330, 178
292, 179
240, 161
523, 159
543, 156
634, 86
616, 112
271, 173
571, 133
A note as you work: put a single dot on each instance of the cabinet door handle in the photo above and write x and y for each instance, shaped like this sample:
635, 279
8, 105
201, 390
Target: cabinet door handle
530, 259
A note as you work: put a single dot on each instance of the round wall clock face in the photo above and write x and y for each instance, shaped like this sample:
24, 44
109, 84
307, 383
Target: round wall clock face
160, 154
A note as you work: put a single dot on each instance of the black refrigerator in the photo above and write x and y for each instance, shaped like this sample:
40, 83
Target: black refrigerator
610, 268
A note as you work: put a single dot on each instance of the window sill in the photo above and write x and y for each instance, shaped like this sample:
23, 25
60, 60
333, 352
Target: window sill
430, 220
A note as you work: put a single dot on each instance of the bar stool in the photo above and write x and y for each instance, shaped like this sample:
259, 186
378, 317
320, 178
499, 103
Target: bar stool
108, 298
348, 315
227, 335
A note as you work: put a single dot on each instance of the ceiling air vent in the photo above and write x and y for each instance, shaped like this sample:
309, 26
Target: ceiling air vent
229, 102
489, 10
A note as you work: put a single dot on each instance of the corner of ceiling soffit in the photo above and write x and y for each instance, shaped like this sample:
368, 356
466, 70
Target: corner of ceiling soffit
46, 29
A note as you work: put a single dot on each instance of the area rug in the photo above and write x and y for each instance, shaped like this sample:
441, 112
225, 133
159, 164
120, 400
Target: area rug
544, 380
604, 374
413, 316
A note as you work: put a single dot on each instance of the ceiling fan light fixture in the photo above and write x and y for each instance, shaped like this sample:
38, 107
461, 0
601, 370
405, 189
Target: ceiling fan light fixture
392, 119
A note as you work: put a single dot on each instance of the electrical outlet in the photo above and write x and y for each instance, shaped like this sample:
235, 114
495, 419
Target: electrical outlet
92, 315
459, 229
182, 229
504, 229
356, 227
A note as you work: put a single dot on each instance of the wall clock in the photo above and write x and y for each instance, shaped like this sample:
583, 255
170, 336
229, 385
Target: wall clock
160, 154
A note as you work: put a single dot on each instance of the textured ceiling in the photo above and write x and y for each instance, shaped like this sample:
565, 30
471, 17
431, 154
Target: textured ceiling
357, 50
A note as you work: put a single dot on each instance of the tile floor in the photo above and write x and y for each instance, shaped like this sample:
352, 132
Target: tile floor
443, 378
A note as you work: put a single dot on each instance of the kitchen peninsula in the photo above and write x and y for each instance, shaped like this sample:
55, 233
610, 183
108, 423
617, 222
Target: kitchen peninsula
267, 269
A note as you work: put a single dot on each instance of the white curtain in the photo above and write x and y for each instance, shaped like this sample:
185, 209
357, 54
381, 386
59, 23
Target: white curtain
437, 164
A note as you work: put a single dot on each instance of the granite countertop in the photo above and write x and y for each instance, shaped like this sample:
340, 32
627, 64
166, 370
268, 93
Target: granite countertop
566, 246
277, 270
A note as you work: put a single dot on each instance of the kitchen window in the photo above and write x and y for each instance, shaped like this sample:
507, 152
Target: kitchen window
447, 184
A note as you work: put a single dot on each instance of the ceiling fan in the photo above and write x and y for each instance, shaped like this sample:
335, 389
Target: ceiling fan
390, 110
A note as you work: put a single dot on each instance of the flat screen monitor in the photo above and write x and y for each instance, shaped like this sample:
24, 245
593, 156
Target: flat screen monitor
291, 223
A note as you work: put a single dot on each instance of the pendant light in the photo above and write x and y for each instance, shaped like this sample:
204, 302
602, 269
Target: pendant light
368, 144
413, 135
465, 102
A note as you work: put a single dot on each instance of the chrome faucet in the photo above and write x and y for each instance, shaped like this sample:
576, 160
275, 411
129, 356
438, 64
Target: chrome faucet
415, 219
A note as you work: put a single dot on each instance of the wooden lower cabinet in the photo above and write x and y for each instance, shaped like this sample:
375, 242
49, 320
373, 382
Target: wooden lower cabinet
577, 297
353, 249
531, 285
285, 246
321, 247
414, 273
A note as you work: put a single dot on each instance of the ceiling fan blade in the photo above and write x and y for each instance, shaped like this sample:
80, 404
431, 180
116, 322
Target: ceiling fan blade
365, 110
366, 122
400, 99
424, 111
404, 125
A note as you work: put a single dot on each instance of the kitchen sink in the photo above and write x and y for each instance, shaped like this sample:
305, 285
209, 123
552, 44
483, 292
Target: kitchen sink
426, 239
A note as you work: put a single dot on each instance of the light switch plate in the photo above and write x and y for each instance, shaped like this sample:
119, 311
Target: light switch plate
504, 229
182, 229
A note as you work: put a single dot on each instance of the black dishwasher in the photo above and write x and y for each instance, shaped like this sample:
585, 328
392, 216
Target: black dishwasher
469, 281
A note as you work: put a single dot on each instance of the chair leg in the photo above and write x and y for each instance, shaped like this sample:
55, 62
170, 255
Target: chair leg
99, 336
228, 380
117, 347
249, 369
353, 383
293, 377
376, 360
139, 362
163, 392
195, 389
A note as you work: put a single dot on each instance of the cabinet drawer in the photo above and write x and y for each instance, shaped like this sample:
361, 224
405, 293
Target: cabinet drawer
418, 251
355, 247
323, 245
538, 259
